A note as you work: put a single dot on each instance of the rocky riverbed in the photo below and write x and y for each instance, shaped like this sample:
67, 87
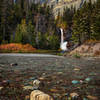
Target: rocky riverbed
59, 76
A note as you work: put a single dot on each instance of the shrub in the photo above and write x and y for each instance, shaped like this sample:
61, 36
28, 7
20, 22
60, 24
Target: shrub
77, 55
15, 47
46, 41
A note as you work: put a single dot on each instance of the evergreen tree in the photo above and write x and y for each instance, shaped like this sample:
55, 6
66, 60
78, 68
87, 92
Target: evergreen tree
76, 28
31, 34
1, 38
95, 25
68, 15
21, 33
82, 23
4, 19
7, 20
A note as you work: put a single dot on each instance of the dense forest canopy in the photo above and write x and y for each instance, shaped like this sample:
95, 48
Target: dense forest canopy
36, 25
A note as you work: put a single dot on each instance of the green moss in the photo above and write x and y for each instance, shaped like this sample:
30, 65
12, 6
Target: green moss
77, 55
36, 51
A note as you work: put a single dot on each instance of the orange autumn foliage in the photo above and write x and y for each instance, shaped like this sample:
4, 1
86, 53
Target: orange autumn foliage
16, 47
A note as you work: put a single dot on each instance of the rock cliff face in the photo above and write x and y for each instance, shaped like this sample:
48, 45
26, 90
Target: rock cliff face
88, 49
59, 5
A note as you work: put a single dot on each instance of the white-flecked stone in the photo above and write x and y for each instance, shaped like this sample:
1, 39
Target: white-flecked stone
1, 88
36, 84
39, 95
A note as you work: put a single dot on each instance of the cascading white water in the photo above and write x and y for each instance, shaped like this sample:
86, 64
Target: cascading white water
63, 45
62, 38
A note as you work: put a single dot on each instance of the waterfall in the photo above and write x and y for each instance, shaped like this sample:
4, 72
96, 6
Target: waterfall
62, 38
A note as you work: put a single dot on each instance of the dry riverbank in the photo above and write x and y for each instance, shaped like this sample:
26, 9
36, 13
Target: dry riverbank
57, 75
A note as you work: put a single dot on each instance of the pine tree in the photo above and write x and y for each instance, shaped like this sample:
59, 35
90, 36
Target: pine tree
76, 27
31, 34
82, 23
4, 19
68, 15
21, 33
95, 26
0, 21
7, 20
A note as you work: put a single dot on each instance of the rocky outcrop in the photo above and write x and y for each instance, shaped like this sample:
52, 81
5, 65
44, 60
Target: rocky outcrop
39, 95
88, 49
59, 5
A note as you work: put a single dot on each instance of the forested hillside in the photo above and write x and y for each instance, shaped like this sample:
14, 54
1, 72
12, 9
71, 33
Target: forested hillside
32, 24
86, 22
36, 25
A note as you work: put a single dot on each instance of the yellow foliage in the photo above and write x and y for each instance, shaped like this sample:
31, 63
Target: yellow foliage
62, 24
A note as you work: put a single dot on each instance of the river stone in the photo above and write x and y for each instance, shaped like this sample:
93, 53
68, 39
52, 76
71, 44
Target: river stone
88, 79
92, 97
5, 82
32, 78
41, 78
1, 88
28, 88
85, 99
13, 64
74, 95
93, 74
75, 82
39, 95
59, 73
76, 69
55, 95
36, 84
54, 90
